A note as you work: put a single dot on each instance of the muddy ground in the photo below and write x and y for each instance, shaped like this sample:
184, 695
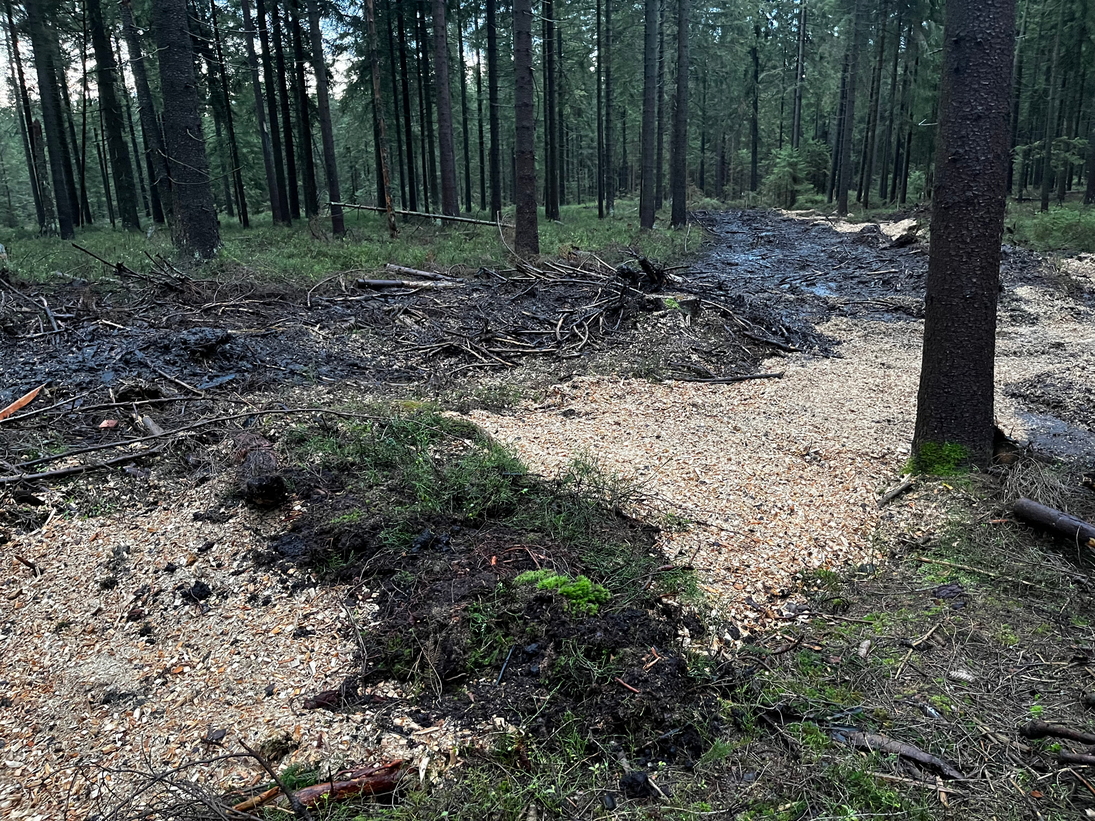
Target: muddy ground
768, 286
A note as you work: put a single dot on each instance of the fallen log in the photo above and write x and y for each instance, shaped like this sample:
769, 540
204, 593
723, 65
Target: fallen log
404, 283
1063, 524
445, 217
873, 742
726, 380
1076, 758
365, 781
414, 272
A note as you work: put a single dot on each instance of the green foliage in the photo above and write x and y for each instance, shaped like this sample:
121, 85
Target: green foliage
582, 595
1059, 229
934, 459
816, 159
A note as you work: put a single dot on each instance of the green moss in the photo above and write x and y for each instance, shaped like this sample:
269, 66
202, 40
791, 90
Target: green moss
582, 595
935, 459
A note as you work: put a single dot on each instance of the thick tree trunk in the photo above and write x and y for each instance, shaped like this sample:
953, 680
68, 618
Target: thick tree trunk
233, 145
678, 160
854, 46
338, 223
527, 237
495, 107
286, 114
106, 75
650, 114
659, 160
304, 118
386, 183
450, 197
52, 120
260, 116
955, 401
800, 76
146, 111
194, 229
283, 215
412, 187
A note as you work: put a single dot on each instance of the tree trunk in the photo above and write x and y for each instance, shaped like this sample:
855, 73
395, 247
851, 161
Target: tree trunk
233, 145
1016, 94
551, 152
678, 160
338, 223
887, 140
132, 130
81, 159
464, 110
659, 160
1053, 100
386, 182
526, 237
48, 87
304, 118
428, 98
1089, 191
479, 121
81, 209
650, 115
100, 155
26, 122
869, 147
146, 111
412, 186
282, 215
955, 401
450, 196
800, 76
600, 122
194, 229
260, 115
754, 121
494, 105
425, 140
106, 75
395, 104
854, 46
286, 114
560, 123
610, 169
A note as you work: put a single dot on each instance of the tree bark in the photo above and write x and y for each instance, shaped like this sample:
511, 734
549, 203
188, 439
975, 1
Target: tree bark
659, 160
425, 138
194, 229
338, 223
479, 121
650, 114
52, 121
146, 111
106, 75
600, 121
132, 130
396, 111
304, 117
233, 145
450, 197
26, 122
283, 215
260, 115
854, 46
386, 182
754, 119
800, 76
464, 110
291, 181
551, 153
1053, 100
610, 169
494, 104
526, 236
412, 186
869, 148
428, 100
887, 140
678, 162
955, 400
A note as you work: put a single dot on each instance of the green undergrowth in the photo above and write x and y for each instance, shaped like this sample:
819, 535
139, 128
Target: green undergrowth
1069, 227
935, 459
306, 253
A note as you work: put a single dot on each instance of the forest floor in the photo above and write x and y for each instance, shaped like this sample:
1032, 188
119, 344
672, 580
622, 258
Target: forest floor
567, 541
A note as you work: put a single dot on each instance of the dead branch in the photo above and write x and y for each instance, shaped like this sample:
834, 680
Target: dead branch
1042, 729
402, 213
414, 272
76, 469
299, 810
406, 283
725, 380
873, 742
365, 781
892, 494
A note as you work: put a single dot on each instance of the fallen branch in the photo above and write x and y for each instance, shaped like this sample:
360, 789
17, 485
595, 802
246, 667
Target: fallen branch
28, 563
873, 742
76, 469
1058, 521
725, 380
298, 807
414, 272
405, 283
775, 343
419, 214
890, 495
1042, 729
957, 566
365, 781
1076, 758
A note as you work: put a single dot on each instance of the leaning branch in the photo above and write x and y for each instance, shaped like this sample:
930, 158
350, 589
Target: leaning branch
419, 214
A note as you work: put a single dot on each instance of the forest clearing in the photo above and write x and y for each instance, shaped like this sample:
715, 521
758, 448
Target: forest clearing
511, 410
